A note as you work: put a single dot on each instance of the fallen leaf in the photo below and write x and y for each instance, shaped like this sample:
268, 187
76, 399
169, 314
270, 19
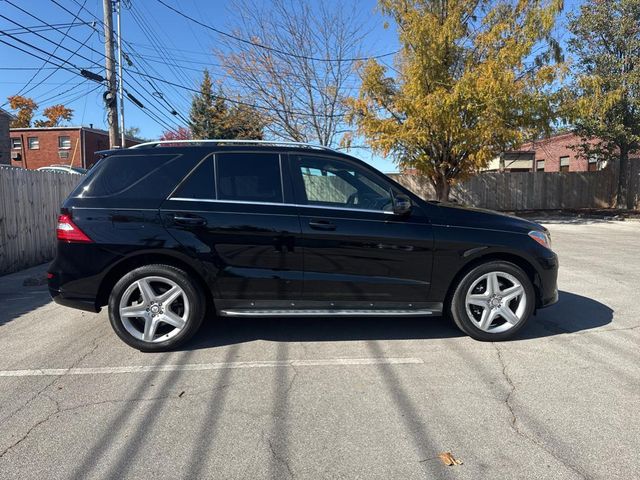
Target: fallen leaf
448, 459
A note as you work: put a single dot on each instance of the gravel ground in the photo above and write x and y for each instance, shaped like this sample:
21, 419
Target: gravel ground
330, 398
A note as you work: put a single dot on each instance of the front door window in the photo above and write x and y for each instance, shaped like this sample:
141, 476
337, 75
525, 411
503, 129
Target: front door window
333, 183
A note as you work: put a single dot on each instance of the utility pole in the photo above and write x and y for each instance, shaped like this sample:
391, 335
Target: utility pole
110, 96
123, 142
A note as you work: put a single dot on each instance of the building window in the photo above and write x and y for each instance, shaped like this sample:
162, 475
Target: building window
564, 164
16, 143
64, 142
540, 165
593, 163
33, 142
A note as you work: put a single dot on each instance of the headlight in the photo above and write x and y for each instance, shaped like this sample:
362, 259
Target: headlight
542, 238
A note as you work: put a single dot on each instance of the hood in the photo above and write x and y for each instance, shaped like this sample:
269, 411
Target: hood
458, 215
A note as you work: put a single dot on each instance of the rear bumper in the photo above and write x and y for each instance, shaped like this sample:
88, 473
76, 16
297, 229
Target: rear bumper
86, 304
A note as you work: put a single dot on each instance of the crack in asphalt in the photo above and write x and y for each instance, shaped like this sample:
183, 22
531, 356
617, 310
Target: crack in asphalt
293, 377
514, 421
37, 395
280, 459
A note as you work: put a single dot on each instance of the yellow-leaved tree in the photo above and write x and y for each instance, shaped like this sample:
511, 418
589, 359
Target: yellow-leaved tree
472, 78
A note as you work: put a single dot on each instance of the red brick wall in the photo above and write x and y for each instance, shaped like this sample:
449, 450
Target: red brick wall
551, 149
94, 142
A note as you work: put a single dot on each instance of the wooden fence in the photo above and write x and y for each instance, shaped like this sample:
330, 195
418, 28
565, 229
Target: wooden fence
29, 205
527, 191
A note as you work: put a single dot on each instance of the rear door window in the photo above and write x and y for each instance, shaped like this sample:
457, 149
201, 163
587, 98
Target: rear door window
249, 177
200, 184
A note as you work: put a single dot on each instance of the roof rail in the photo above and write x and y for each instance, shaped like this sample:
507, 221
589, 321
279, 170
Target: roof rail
275, 143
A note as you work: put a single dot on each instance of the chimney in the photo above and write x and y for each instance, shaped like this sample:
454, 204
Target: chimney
91, 125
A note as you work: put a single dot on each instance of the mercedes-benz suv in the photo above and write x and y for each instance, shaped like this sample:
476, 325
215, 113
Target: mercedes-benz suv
168, 234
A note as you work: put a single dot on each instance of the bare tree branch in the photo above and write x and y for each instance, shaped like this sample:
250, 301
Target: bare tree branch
305, 96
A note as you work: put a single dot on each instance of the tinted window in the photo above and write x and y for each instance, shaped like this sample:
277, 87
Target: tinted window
116, 174
336, 183
200, 183
249, 177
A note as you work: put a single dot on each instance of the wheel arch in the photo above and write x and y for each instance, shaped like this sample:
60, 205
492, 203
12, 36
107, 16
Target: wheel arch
517, 260
147, 258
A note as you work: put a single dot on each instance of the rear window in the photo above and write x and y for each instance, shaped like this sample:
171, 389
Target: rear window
200, 184
249, 177
116, 175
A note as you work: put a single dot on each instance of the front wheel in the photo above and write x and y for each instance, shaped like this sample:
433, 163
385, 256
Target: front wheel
156, 308
493, 301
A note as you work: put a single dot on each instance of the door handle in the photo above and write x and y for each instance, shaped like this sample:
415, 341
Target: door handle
322, 225
188, 220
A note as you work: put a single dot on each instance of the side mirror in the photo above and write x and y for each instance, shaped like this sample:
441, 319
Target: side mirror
401, 204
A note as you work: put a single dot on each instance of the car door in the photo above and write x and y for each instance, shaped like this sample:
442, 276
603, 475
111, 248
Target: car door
357, 252
230, 213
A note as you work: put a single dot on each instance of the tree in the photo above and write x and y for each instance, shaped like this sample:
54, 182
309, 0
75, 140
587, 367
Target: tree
132, 132
472, 79
25, 107
296, 65
603, 100
54, 116
180, 133
244, 122
211, 117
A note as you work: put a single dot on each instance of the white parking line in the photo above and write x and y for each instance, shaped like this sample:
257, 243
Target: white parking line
40, 372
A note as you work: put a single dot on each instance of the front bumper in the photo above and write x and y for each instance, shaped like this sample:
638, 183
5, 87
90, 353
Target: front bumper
548, 280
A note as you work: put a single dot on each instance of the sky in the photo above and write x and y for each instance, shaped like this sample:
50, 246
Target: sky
157, 40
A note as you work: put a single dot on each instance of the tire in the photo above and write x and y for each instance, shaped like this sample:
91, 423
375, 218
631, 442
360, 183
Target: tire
483, 298
156, 308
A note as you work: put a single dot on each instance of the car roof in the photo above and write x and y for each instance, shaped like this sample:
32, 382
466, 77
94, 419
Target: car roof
184, 146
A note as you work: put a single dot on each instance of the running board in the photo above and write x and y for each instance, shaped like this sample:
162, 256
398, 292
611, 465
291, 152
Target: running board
325, 313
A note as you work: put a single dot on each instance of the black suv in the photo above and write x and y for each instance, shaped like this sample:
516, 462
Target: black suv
165, 233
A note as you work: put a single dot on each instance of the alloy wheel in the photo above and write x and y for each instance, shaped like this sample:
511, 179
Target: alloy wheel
496, 302
154, 309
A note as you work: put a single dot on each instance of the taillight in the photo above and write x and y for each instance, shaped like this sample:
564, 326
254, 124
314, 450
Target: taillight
68, 231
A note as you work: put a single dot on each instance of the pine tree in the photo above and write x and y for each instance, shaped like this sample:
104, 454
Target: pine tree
211, 117
202, 110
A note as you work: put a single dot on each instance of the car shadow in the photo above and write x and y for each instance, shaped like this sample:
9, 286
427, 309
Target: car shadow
572, 313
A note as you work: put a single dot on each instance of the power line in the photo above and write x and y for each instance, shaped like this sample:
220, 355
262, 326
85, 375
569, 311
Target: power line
43, 28
66, 33
181, 63
41, 58
179, 75
246, 104
272, 49
59, 94
128, 45
58, 45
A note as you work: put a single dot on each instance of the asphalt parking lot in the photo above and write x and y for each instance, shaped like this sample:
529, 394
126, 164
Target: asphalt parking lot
328, 398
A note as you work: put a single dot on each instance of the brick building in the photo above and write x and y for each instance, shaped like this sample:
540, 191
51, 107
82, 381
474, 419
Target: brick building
33, 148
5, 144
554, 154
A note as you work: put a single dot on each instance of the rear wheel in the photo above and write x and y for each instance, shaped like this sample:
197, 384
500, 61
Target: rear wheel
156, 308
493, 301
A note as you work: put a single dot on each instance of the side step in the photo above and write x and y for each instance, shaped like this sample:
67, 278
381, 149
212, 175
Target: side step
325, 313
